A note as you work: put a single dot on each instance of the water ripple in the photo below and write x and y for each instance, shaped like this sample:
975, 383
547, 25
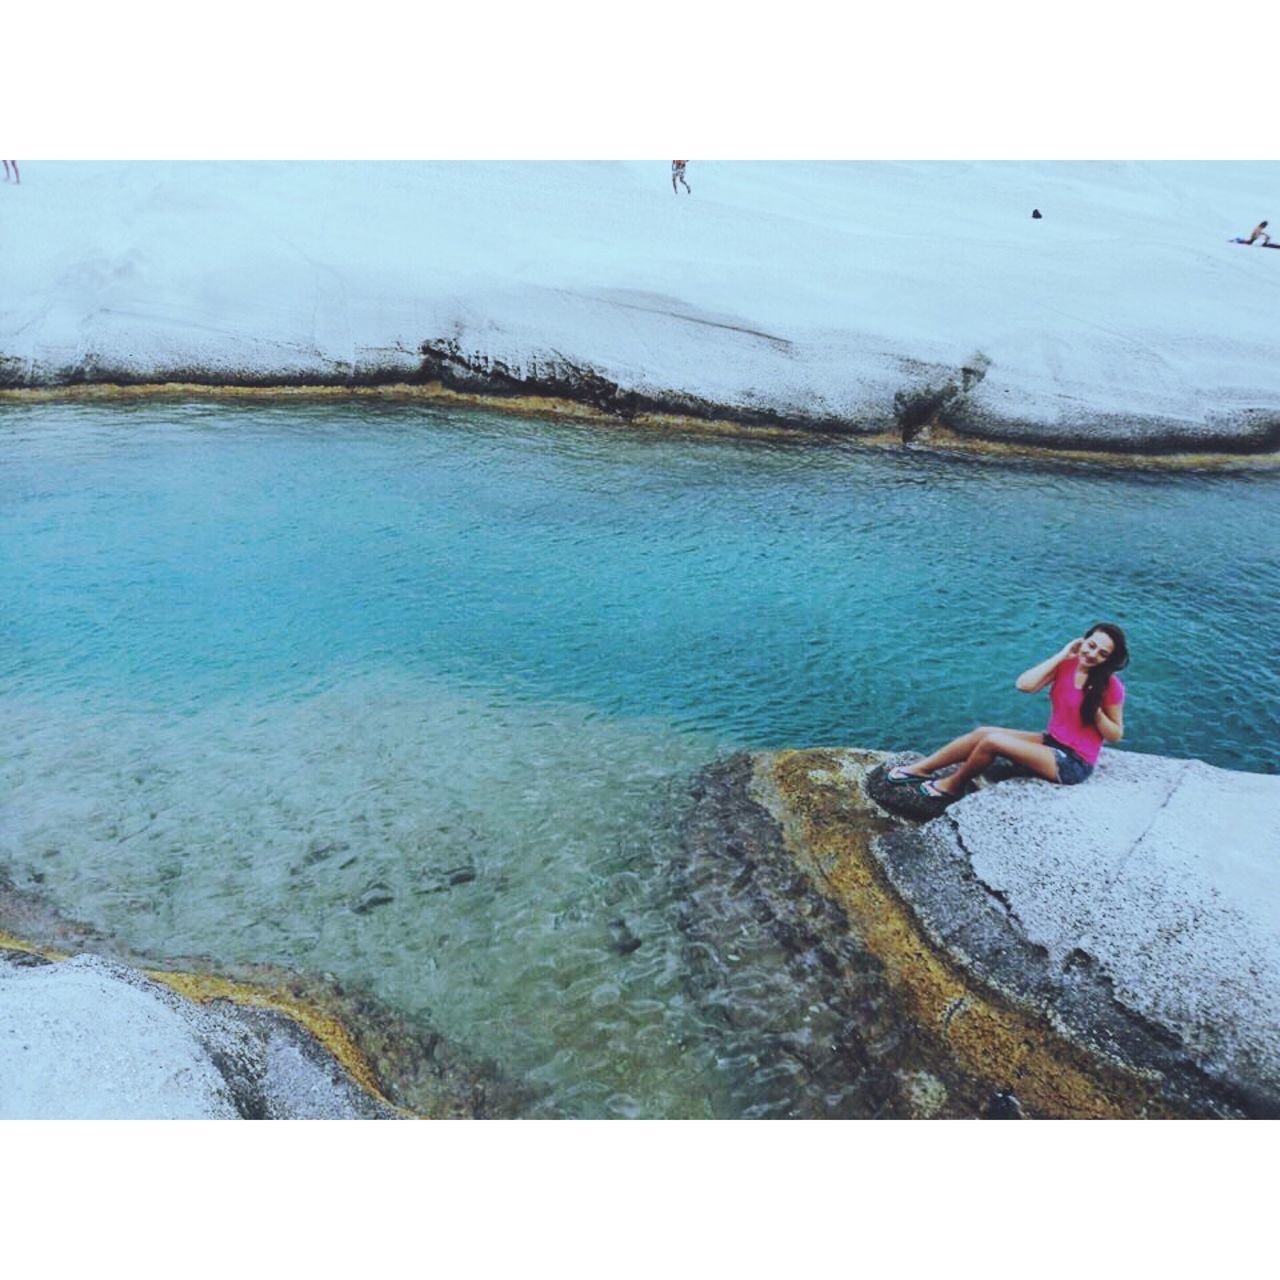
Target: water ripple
411, 696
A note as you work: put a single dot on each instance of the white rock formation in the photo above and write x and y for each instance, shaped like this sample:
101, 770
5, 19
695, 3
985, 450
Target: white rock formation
89, 1039
811, 290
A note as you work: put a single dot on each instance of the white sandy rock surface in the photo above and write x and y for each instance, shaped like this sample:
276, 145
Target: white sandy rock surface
810, 290
89, 1039
1165, 874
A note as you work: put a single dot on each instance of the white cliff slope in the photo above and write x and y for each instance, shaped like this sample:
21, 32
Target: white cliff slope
811, 291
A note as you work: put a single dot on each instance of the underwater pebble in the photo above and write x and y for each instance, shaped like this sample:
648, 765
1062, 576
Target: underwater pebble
621, 939
376, 895
439, 879
320, 848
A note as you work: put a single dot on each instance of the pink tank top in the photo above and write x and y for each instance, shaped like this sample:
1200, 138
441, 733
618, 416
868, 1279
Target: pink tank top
1064, 720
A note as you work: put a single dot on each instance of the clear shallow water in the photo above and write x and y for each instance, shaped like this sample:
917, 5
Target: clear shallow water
261, 666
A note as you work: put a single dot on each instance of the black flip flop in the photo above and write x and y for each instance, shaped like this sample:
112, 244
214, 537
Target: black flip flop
903, 782
944, 798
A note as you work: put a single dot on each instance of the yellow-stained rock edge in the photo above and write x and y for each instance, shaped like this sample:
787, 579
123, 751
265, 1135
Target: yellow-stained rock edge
933, 438
941, 440
828, 825
9, 943
202, 988
430, 392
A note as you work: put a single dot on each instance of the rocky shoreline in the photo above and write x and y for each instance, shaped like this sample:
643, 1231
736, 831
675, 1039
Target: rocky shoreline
1058, 1027
934, 403
1107, 951
939, 420
270, 1043
829, 1028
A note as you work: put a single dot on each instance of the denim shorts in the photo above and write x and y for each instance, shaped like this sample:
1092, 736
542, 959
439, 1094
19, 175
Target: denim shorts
1071, 768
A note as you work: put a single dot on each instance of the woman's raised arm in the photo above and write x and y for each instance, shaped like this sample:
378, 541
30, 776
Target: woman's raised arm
1035, 678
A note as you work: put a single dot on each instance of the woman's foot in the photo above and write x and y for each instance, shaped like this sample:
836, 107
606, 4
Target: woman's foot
932, 791
901, 774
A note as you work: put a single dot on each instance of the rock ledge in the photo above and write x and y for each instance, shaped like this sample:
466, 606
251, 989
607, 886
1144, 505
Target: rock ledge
1109, 950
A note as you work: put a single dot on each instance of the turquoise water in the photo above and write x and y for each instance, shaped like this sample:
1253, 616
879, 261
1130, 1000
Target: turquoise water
261, 666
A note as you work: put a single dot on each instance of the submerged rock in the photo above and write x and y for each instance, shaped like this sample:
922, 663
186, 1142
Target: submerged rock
108, 1033
320, 848
621, 939
374, 895
441, 879
806, 1022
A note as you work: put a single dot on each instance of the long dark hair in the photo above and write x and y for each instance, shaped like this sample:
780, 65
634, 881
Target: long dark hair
1095, 685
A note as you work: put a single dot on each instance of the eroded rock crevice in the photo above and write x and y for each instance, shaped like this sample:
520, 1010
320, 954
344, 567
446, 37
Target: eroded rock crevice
555, 377
917, 409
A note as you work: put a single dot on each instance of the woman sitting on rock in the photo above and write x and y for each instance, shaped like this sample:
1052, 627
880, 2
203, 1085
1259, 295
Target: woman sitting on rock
1087, 701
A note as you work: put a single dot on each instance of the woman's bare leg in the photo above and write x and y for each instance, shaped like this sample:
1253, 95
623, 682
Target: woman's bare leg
1025, 748
960, 749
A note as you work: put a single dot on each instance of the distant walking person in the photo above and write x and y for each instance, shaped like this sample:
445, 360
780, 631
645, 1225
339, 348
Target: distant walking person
677, 174
17, 177
1258, 233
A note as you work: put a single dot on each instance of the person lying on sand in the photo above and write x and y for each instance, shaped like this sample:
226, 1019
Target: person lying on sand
1258, 233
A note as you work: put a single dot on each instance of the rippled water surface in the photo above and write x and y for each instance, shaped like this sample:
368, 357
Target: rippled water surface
412, 697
